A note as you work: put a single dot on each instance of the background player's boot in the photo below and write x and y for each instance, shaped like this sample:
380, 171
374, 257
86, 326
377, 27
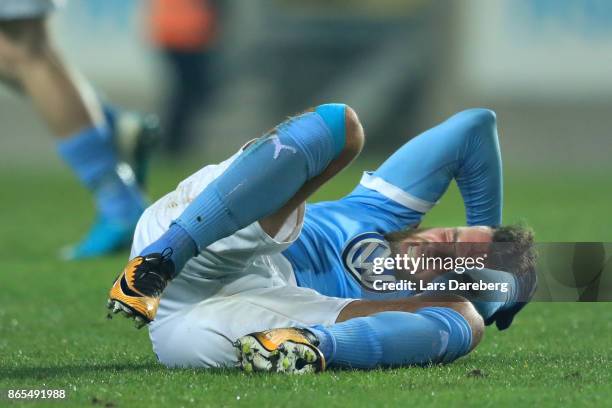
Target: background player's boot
290, 350
104, 237
135, 136
137, 289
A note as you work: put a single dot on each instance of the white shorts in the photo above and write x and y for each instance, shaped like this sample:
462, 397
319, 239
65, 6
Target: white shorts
18, 9
238, 285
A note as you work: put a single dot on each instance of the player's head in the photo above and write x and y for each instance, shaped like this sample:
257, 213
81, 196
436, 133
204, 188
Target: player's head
508, 247
444, 235
513, 250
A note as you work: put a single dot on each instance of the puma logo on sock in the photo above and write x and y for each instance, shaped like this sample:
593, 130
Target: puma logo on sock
278, 146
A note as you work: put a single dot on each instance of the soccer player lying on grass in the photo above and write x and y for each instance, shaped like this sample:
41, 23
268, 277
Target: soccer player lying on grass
256, 278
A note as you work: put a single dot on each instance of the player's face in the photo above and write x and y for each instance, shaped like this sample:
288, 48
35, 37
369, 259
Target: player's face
455, 234
449, 241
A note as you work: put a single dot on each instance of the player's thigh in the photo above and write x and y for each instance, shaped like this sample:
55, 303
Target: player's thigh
202, 335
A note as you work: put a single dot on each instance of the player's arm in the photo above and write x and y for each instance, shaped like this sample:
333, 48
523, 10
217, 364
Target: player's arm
410, 182
479, 173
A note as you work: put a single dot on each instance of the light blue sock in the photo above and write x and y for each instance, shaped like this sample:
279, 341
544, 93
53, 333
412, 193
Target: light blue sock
431, 335
486, 302
110, 116
333, 115
183, 247
91, 156
259, 182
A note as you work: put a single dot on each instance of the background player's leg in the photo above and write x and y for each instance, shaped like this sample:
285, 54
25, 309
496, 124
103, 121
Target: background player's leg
411, 331
74, 115
464, 147
269, 177
66, 102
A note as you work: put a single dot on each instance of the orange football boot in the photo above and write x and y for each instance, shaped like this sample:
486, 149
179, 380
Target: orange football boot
137, 290
288, 350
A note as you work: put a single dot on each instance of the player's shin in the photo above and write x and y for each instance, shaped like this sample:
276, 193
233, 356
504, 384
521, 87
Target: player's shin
431, 335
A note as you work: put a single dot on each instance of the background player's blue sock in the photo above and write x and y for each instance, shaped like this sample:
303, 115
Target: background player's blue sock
486, 302
431, 335
92, 157
110, 116
259, 182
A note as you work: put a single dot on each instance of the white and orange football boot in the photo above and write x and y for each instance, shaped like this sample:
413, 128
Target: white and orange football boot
289, 350
137, 290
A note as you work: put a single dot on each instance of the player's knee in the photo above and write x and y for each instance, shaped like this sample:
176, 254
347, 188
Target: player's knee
471, 316
344, 126
454, 329
355, 137
318, 137
466, 309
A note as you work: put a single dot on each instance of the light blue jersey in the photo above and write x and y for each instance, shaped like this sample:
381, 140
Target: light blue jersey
338, 236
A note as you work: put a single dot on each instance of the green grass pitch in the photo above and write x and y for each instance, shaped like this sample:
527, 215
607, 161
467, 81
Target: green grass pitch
54, 334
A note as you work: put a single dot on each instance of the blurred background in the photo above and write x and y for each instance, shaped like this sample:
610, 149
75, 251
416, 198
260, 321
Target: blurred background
404, 65
235, 68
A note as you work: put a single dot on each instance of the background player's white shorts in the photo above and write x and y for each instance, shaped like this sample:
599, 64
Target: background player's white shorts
17, 9
236, 286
